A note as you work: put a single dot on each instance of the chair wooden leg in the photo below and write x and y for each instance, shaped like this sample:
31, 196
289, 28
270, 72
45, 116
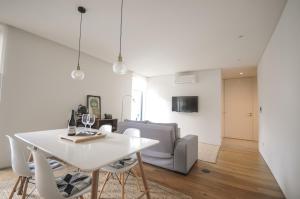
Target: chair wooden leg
122, 176
133, 171
30, 158
20, 192
25, 188
108, 175
81, 197
15, 188
118, 178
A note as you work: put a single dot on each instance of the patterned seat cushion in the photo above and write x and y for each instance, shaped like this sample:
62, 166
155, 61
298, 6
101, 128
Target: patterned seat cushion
71, 184
121, 166
54, 164
123, 163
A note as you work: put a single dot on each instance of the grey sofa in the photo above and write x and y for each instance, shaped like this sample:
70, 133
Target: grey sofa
174, 153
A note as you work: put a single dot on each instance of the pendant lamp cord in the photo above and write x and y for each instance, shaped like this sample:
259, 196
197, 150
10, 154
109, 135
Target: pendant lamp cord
121, 30
78, 67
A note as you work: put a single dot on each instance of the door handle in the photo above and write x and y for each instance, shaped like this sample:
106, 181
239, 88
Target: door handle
250, 114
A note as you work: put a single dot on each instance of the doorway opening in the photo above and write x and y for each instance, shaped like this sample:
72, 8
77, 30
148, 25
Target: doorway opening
240, 104
139, 85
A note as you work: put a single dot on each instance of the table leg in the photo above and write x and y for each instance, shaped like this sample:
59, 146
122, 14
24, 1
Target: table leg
138, 154
95, 179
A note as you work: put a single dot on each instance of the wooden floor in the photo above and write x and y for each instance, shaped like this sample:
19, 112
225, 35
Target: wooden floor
240, 172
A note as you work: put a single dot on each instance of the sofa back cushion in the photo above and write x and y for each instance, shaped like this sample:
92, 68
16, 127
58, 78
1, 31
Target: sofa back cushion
173, 125
135, 121
164, 133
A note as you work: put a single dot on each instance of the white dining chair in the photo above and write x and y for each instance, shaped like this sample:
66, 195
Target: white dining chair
73, 185
22, 168
122, 167
132, 132
106, 128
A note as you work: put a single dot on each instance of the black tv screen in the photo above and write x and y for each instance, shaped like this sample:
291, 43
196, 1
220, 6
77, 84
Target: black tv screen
185, 104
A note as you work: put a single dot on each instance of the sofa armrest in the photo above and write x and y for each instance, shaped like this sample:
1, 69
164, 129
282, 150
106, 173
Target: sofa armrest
185, 153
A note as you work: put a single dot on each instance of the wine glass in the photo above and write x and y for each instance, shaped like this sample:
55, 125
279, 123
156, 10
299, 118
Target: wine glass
91, 121
84, 120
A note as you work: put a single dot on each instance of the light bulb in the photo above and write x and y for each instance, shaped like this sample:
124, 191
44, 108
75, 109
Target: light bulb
77, 74
120, 68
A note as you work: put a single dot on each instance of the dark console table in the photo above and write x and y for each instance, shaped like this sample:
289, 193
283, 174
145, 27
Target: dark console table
100, 122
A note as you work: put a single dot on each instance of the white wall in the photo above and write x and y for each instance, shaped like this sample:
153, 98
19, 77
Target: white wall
2, 50
279, 97
38, 92
206, 123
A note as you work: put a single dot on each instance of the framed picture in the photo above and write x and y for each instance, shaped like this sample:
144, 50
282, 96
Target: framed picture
94, 105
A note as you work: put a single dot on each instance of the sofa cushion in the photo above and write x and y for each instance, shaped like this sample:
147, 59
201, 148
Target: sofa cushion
173, 125
156, 154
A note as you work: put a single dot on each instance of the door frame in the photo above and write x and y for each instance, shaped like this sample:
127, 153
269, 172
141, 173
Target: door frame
255, 112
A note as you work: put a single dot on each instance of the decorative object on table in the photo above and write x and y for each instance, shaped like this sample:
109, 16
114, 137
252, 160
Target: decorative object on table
107, 116
94, 105
91, 121
88, 119
84, 119
78, 74
82, 138
82, 132
72, 125
119, 67
99, 122
123, 100
81, 110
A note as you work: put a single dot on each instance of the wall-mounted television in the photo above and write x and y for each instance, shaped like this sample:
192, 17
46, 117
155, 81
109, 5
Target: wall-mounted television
185, 104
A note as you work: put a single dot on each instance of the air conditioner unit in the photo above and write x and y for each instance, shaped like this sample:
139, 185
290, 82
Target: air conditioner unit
186, 78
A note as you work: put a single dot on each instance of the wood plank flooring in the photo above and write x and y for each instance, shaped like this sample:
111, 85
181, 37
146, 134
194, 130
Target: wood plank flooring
240, 172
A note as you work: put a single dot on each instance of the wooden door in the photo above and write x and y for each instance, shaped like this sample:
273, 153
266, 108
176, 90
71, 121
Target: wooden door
240, 108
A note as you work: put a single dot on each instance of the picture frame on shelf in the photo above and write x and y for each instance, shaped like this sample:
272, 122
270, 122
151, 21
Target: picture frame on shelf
94, 105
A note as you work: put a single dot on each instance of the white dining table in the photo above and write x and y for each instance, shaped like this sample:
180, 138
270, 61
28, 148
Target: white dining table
90, 155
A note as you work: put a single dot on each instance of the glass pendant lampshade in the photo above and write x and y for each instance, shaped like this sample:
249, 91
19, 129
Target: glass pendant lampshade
77, 74
119, 67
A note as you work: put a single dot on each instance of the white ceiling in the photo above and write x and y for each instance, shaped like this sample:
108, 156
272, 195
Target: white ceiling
160, 36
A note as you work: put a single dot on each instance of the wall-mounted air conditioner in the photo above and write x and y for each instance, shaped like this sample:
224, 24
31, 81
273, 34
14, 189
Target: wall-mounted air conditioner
186, 78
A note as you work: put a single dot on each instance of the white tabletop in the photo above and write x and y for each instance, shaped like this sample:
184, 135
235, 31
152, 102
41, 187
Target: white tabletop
90, 155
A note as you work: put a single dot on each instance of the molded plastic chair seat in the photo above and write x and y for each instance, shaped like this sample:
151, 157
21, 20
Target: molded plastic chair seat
106, 128
69, 186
